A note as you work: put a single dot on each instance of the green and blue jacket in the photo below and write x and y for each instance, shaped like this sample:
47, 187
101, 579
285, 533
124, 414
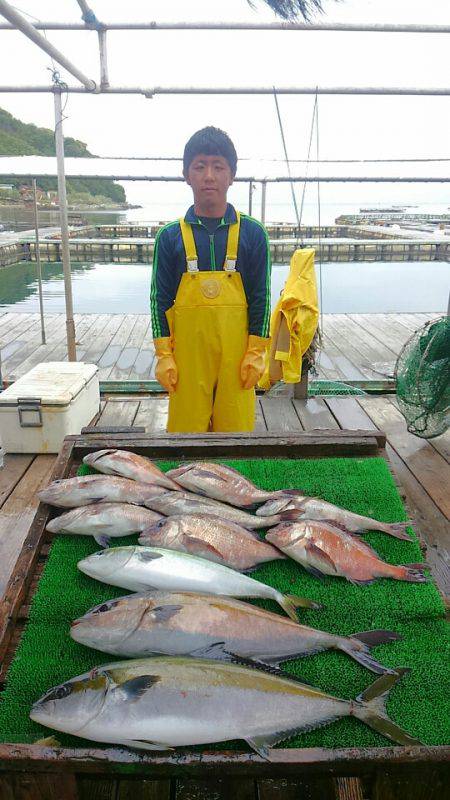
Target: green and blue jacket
253, 264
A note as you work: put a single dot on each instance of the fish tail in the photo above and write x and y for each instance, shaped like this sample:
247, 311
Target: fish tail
397, 529
413, 573
352, 647
369, 707
290, 603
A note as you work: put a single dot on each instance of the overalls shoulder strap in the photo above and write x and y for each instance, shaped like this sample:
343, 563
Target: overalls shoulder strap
191, 250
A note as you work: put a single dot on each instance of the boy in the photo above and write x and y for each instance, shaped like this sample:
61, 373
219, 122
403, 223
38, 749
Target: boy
210, 298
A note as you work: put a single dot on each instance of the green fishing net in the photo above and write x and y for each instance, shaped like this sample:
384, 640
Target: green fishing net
422, 377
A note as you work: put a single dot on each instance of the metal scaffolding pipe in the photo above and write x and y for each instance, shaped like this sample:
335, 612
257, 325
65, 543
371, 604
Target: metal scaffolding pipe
343, 27
19, 22
65, 252
295, 178
235, 90
38, 261
102, 46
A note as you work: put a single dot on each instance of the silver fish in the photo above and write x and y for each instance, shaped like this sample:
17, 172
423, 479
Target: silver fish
293, 505
141, 568
221, 483
324, 549
160, 703
211, 537
129, 465
172, 503
82, 491
207, 626
104, 520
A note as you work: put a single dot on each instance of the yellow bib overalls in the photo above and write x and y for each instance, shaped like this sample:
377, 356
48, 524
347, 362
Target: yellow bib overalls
209, 326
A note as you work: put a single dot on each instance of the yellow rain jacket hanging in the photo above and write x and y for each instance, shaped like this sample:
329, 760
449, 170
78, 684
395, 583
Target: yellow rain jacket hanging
293, 322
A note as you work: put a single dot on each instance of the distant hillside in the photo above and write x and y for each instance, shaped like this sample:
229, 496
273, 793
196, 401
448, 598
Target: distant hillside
19, 139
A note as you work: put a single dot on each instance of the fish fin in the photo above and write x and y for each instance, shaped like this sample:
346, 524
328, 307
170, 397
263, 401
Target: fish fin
314, 550
378, 636
164, 613
199, 547
360, 583
205, 473
145, 745
136, 687
146, 556
397, 529
290, 602
414, 573
313, 571
266, 741
369, 707
364, 657
102, 539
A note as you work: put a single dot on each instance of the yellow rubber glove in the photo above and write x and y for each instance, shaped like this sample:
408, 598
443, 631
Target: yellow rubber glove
166, 371
254, 361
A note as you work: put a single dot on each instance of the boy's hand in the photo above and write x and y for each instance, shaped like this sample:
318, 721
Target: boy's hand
166, 371
254, 361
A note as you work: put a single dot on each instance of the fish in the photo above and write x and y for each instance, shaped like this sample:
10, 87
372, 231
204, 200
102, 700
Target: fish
129, 465
221, 483
295, 506
176, 503
213, 538
162, 703
82, 491
207, 626
324, 549
104, 520
141, 568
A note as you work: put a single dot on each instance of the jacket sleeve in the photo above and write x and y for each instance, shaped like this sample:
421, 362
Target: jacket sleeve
163, 287
256, 278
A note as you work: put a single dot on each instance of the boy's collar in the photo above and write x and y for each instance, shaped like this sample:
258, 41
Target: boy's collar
229, 217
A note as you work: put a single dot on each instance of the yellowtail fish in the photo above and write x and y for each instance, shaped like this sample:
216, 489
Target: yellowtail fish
293, 505
129, 465
211, 537
141, 568
161, 703
324, 549
207, 626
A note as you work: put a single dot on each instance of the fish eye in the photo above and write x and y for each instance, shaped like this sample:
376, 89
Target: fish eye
60, 692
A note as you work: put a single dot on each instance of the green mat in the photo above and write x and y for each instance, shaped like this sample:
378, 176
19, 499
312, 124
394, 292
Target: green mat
420, 703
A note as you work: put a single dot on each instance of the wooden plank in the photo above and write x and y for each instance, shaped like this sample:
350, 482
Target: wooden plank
349, 347
348, 789
279, 414
260, 423
143, 790
112, 353
14, 467
440, 443
346, 369
288, 789
98, 788
152, 413
101, 339
314, 414
311, 763
118, 412
215, 789
31, 786
419, 785
364, 350
138, 336
22, 574
428, 466
17, 514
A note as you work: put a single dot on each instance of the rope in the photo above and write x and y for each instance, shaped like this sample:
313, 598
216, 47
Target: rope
294, 198
307, 166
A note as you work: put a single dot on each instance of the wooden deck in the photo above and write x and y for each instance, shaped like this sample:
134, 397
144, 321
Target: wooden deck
421, 469
357, 347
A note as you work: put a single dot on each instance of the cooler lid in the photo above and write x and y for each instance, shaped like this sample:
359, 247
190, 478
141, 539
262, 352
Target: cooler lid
55, 383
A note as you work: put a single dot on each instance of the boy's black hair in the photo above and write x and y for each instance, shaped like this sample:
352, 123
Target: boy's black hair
212, 142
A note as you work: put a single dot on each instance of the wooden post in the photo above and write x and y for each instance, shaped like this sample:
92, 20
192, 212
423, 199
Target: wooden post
301, 388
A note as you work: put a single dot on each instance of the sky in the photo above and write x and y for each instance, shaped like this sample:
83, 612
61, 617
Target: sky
349, 127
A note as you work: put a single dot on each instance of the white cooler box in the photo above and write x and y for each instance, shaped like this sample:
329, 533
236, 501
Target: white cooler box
51, 401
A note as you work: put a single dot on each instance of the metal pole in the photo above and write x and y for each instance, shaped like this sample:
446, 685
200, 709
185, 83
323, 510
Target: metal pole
30, 31
149, 92
263, 201
38, 262
243, 26
59, 142
102, 46
250, 196
295, 178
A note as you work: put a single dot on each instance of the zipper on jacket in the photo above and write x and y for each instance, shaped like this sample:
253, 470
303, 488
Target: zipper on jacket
212, 252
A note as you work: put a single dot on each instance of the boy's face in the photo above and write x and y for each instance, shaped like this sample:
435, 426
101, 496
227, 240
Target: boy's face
210, 178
